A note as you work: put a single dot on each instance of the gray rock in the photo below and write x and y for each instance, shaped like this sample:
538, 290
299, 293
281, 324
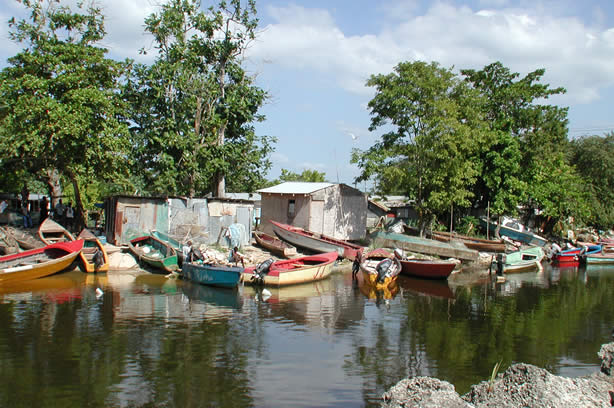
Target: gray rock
521, 385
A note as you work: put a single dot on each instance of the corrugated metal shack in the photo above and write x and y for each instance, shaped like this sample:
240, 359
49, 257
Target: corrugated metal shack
202, 220
337, 210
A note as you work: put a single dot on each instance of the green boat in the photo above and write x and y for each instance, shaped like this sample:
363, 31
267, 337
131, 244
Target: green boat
523, 260
154, 252
171, 241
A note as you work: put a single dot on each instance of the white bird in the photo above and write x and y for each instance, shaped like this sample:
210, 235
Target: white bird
353, 136
98, 293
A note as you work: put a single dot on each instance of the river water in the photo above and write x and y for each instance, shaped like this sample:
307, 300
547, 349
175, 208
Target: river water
134, 339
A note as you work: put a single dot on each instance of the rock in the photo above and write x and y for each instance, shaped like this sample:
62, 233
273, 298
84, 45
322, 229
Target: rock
423, 392
521, 385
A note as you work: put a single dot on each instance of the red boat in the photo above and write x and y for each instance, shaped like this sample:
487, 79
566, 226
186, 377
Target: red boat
422, 268
315, 242
571, 257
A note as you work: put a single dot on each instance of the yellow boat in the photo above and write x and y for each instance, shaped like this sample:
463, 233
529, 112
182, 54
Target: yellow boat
370, 273
40, 262
94, 257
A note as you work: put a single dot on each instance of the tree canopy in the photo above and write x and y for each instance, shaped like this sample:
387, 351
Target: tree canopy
194, 107
63, 114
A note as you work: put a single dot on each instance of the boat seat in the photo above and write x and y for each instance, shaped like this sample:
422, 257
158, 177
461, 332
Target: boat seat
89, 250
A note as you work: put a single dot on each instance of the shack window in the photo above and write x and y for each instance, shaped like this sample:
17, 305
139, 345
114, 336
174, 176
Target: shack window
291, 204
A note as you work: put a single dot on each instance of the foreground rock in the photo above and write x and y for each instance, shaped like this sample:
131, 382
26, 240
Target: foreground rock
521, 385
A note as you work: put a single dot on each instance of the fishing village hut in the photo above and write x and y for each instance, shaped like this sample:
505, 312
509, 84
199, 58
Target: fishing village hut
202, 220
336, 210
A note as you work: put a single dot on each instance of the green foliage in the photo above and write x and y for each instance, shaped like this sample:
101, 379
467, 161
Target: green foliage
436, 131
193, 108
593, 157
313, 176
523, 163
62, 107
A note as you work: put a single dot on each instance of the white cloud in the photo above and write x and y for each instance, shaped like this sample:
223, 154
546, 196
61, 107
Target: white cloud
575, 56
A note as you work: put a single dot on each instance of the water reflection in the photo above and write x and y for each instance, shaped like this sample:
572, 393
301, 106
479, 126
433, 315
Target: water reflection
138, 339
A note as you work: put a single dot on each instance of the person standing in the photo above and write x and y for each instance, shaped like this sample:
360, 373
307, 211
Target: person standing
44, 211
3, 206
70, 217
59, 211
27, 220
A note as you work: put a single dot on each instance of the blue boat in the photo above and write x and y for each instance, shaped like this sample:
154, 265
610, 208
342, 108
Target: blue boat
213, 275
514, 230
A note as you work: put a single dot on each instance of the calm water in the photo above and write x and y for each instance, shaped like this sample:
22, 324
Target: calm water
146, 341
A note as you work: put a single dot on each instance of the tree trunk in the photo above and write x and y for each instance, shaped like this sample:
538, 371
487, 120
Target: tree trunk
79, 220
53, 187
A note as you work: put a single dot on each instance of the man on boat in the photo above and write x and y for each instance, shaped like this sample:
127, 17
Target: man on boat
236, 257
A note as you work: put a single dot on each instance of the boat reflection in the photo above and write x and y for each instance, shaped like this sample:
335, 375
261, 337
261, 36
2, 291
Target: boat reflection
429, 287
287, 293
222, 297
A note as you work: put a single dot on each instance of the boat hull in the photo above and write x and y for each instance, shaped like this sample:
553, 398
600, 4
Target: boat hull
369, 272
51, 232
25, 240
161, 256
274, 245
527, 237
426, 269
315, 242
39, 262
294, 271
91, 246
212, 275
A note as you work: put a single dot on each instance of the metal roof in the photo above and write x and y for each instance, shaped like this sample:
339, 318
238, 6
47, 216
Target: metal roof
295, 187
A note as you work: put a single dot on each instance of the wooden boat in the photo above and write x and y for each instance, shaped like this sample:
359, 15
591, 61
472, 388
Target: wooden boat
523, 260
478, 244
604, 257
154, 252
51, 232
213, 275
94, 257
39, 262
274, 245
24, 239
370, 274
291, 271
315, 242
425, 246
428, 269
172, 242
8, 244
514, 230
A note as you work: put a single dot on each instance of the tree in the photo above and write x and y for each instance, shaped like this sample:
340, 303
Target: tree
524, 160
312, 176
435, 130
63, 117
593, 157
194, 107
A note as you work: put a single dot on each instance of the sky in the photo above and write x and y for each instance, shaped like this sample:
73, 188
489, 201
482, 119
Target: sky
314, 57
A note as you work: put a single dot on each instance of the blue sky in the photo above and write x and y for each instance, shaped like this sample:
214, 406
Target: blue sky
314, 58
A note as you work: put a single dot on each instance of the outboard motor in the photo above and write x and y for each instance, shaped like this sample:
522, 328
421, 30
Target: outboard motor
261, 270
98, 259
382, 269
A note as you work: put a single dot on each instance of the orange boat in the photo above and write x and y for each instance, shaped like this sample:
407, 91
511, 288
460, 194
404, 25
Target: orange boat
371, 272
40, 262
94, 257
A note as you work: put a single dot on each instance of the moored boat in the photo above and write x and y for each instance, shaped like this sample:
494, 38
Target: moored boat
315, 242
428, 269
274, 245
211, 274
523, 260
8, 244
51, 232
154, 252
514, 230
571, 256
172, 242
39, 262
94, 257
380, 268
291, 271
604, 257
24, 238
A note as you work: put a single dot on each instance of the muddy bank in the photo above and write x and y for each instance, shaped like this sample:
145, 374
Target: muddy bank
521, 385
